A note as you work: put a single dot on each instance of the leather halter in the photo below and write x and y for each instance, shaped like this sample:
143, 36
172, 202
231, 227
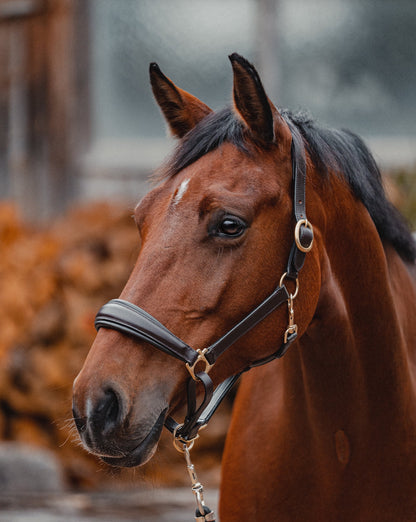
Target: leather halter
134, 322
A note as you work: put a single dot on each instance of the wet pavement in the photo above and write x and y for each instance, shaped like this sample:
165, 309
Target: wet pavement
161, 505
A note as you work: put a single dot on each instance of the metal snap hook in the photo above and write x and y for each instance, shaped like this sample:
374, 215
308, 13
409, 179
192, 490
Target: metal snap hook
196, 486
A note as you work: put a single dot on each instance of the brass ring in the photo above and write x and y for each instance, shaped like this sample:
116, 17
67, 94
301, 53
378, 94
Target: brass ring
179, 443
306, 223
297, 285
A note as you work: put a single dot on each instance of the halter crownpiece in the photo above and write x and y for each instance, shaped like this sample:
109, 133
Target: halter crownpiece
131, 320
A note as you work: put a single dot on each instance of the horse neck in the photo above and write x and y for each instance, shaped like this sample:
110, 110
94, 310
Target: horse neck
354, 357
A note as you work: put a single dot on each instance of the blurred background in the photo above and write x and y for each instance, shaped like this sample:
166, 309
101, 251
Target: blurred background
80, 134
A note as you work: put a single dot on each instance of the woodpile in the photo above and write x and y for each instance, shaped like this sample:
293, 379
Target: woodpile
53, 281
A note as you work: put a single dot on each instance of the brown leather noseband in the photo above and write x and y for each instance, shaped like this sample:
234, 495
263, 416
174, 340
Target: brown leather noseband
134, 322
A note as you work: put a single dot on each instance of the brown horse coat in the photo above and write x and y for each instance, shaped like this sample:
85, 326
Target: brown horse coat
328, 433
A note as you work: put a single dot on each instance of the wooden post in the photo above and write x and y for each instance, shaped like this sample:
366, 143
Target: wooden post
267, 46
4, 111
59, 189
38, 101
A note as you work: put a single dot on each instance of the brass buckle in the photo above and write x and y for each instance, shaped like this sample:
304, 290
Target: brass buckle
305, 223
201, 358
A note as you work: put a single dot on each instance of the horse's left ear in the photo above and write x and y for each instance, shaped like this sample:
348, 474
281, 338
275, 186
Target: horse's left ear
252, 103
182, 111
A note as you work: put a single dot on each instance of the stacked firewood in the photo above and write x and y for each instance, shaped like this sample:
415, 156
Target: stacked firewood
53, 280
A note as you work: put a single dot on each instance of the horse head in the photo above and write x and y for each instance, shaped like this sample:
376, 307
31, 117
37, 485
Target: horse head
215, 234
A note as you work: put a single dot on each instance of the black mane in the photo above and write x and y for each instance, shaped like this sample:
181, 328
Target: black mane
340, 151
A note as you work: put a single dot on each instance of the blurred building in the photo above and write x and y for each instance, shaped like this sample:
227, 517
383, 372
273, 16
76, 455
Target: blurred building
77, 118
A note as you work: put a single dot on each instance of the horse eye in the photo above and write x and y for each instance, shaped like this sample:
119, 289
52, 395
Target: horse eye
231, 226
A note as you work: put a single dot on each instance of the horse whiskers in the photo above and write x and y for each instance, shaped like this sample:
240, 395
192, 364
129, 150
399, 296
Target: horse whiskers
72, 436
66, 423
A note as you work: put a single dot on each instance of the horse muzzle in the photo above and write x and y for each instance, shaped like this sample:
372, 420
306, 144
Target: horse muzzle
116, 434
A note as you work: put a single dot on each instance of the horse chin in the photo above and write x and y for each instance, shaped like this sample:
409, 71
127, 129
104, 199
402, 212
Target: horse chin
143, 452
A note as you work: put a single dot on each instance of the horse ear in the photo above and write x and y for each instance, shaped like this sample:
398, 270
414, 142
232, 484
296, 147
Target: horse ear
182, 111
251, 101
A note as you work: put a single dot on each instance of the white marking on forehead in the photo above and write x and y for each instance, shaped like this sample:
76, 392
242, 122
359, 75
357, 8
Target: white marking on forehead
183, 187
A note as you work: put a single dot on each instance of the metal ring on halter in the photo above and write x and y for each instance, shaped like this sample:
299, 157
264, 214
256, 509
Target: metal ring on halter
201, 358
305, 223
179, 443
292, 296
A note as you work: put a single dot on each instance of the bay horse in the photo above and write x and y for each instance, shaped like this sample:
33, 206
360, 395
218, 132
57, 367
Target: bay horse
327, 432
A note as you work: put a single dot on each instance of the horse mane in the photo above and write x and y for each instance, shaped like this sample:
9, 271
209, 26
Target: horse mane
331, 150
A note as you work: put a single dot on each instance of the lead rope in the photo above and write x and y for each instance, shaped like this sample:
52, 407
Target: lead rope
202, 513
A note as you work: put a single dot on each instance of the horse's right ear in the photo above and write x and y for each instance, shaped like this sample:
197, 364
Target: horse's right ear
182, 111
252, 104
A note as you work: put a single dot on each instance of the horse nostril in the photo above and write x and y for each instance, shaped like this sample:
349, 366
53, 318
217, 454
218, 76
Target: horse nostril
80, 423
106, 414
